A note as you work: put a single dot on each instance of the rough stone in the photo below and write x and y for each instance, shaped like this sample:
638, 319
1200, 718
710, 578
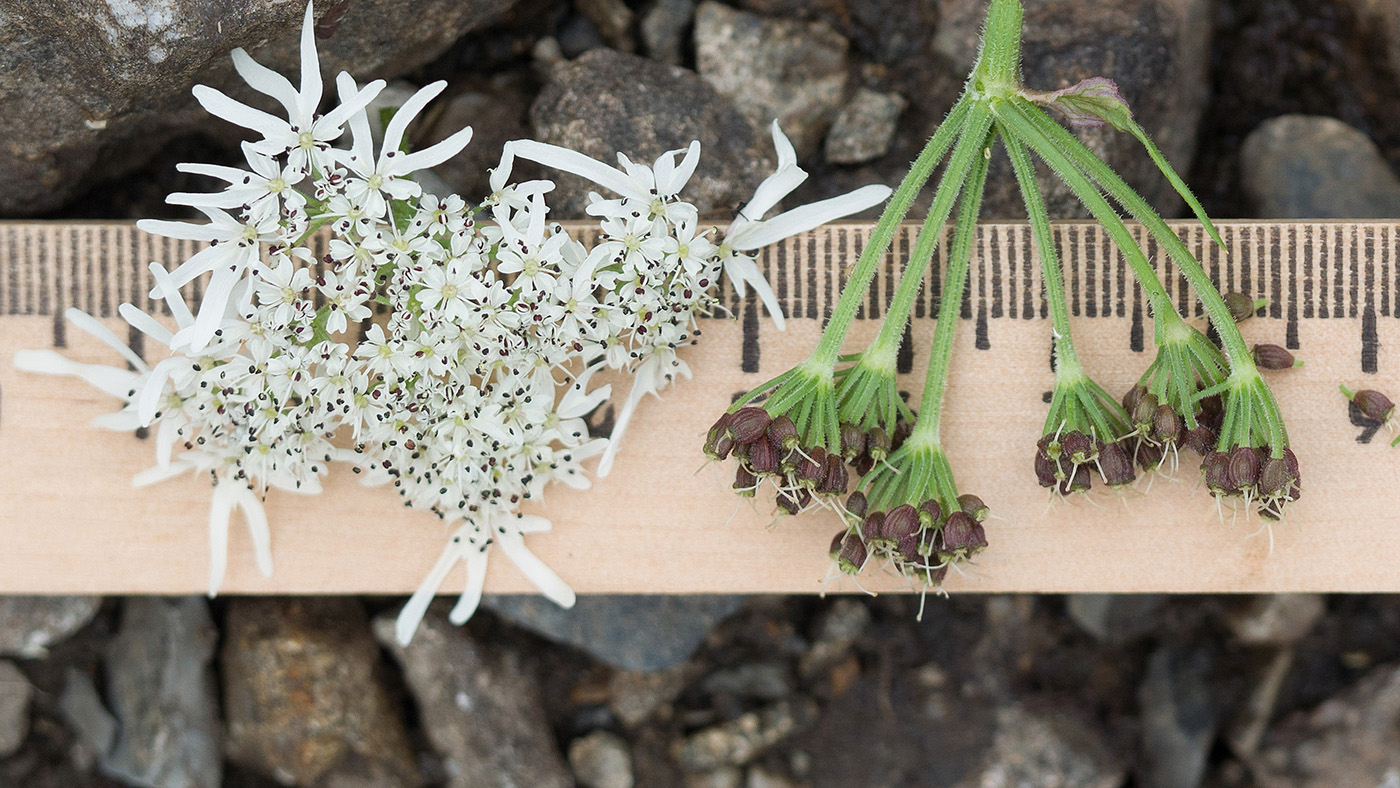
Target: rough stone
1275, 619
614, 21
759, 680
1114, 618
864, 127
723, 777
663, 29
82, 709
601, 760
839, 628
740, 740
794, 72
161, 691
882, 31
1384, 16
1251, 718
607, 102
1030, 749
632, 632
480, 707
304, 696
1306, 166
1155, 50
92, 90
15, 694
498, 111
29, 625
636, 695
1178, 718
1347, 740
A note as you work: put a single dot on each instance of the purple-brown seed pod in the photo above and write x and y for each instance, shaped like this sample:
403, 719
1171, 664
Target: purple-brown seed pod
1130, 399
1273, 357
1166, 425
804, 497
872, 528
745, 483
877, 444
1077, 481
1293, 469
1240, 305
1046, 470
1274, 478
865, 464
749, 424
812, 466
908, 548
763, 458
787, 502
1149, 455
1374, 405
1244, 468
973, 507
721, 447
852, 441
902, 430
836, 542
853, 554
961, 537
900, 522
782, 433
1216, 470
1116, 466
836, 478
1199, 439
857, 504
1212, 412
1146, 411
929, 513
1077, 447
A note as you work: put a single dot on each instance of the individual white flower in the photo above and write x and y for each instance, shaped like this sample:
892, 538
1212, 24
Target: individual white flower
303, 137
656, 188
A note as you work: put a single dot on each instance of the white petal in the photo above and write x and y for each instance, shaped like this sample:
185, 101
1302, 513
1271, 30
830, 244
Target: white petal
576, 163
181, 230
219, 510
145, 323
398, 124
238, 113
256, 517
417, 606
211, 310
109, 380
90, 325
352, 102
121, 421
158, 474
787, 155
681, 174
807, 217
165, 441
310, 70
470, 599
551, 585
171, 293
433, 155
266, 81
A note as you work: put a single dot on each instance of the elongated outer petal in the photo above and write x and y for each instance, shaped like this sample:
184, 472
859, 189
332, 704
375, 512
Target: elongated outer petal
417, 606
90, 325
310, 68
256, 517
807, 217
211, 310
398, 124
145, 323
574, 162
646, 380
266, 81
470, 599
157, 474
109, 380
742, 272
351, 102
512, 543
170, 291
220, 509
433, 155
238, 113
184, 231
675, 177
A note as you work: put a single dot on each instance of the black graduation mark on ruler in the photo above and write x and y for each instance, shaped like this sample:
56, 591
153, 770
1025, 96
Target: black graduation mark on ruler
1368, 426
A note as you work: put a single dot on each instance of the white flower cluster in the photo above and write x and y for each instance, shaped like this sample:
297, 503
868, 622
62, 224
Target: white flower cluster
467, 393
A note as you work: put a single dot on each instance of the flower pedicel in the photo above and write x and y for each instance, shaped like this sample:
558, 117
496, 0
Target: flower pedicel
806, 431
469, 398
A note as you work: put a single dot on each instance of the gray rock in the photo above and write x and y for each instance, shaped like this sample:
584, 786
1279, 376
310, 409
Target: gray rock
601, 760
882, 31
498, 111
760, 680
794, 72
161, 691
663, 29
15, 694
82, 709
1384, 17
1178, 718
839, 628
1029, 749
303, 694
1155, 50
480, 707
635, 696
864, 127
1250, 719
613, 19
1115, 618
607, 102
1348, 740
740, 740
723, 777
29, 625
758, 777
1305, 166
1275, 619
629, 631
92, 90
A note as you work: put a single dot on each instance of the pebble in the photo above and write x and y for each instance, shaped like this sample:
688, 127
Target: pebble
1178, 718
723, 777
663, 30
1115, 618
479, 705
15, 694
614, 21
601, 760
29, 625
1349, 740
94, 727
607, 102
1312, 167
795, 72
1275, 619
303, 694
864, 128
636, 696
1032, 750
628, 631
740, 740
1251, 718
758, 680
836, 632
161, 693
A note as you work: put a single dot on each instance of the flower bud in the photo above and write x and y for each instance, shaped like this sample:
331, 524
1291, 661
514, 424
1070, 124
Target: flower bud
902, 521
973, 507
1273, 357
1374, 405
1047, 471
836, 543
1244, 468
1149, 455
852, 555
1199, 439
748, 424
1116, 466
857, 504
1077, 447
962, 537
1135, 394
745, 483
836, 478
1240, 305
782, 433
1145, 414
721, 447
852, 441
763, 458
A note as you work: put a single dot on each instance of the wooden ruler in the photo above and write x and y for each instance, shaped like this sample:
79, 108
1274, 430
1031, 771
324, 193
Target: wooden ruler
71, 522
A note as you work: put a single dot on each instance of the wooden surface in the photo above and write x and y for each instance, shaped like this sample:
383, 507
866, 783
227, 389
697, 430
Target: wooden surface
71, 522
